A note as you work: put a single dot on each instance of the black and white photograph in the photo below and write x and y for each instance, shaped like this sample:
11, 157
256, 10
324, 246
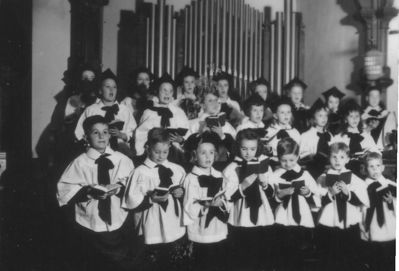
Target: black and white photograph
198, 135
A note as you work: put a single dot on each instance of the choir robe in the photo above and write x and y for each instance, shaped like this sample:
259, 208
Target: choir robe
309, 141
247, 123
367, 144
239, 214
150, 119
307, 204
123, 114
272, 135
154, 223
386, 232
195, 214
83, 172
357, 199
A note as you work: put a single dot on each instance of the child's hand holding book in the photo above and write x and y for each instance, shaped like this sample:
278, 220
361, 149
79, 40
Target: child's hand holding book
343, 188
304, 190
388, 197
335, 189
158, 198
177, 192
284, 192
101, 192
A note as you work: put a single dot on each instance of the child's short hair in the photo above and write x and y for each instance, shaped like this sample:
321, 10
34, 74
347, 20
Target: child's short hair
339, 146
157, 135
252, 101
89, 122
372, 156
281, 101
248, 134
287, 146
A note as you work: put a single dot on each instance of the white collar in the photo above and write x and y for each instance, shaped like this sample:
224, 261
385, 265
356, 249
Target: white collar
101, 103
95, 154
200, 171
353, 130
151, 164
297, 168
335, 172
277, 126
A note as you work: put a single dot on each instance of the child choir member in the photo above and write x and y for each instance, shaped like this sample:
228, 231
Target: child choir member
261, 90
333, 98
164, 114
224, 85
205, 207
94, 184
343, 195
379, 219
281, 126
375, 115
297, 195
155, 192
121, 121
295, 91
140, 96
314, 145
254, 110
188, 96
215, 121
251, 214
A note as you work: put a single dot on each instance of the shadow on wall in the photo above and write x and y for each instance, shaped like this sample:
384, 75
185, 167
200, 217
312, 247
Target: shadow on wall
353, 18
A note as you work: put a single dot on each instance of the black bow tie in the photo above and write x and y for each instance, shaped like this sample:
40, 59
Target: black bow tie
165, 114
374, 113
214, 185
165, 178
375, 205
289, 176
355, 142
282, 134
110, 112
322, 145
104, 206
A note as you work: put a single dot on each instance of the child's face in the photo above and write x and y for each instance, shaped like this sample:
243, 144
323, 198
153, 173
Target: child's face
88, 75
223, 88
159, 152
353, 119
248, 149
262, 91
143, 78
375, 168
211, 104
98, 137
256, 113
189, 84
374, 98
108, 90
296, 94
205, 155
321, 118
165, 94
338, 160
289, 161
333, 103
284, 114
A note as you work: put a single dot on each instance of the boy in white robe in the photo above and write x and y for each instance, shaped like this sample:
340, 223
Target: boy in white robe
98, 214
164, 114
251, 195
281, 127
297, 195
378, 227
155, 192
343, 195
108, 107
205, 207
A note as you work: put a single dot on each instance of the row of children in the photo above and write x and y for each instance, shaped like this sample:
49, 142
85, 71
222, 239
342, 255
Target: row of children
190, 112
246, 217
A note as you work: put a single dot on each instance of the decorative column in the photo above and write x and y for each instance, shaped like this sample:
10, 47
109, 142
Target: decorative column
376, 16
